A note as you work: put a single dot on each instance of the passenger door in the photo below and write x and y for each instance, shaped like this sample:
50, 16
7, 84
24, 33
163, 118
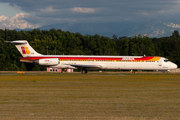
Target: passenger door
160, 62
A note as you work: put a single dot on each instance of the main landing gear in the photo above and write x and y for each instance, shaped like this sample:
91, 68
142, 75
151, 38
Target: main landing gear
84, 71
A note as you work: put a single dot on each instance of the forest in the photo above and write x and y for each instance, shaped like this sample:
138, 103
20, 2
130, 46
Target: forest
66, 43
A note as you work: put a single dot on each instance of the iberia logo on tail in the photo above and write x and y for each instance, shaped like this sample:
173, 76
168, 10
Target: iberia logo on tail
25, 50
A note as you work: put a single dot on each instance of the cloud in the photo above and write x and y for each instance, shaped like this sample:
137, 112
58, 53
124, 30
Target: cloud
16, 21
48, 9
44, 12
83, 10
172, 25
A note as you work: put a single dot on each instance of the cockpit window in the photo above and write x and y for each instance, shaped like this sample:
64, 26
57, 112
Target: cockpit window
166, 60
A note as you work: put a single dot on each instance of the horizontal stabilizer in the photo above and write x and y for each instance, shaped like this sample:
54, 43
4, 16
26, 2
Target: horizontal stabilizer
17, 42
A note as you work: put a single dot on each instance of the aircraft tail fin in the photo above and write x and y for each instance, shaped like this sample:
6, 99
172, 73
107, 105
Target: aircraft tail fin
24, 48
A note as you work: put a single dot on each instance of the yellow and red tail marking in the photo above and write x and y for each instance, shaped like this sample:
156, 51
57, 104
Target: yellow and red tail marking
25, 50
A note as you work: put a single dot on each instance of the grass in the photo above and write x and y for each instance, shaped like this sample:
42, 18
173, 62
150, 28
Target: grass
90, 96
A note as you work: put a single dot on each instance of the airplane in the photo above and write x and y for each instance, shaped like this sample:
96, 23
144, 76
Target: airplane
92, 62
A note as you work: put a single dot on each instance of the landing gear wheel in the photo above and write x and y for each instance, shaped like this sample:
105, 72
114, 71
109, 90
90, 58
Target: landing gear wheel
83, 71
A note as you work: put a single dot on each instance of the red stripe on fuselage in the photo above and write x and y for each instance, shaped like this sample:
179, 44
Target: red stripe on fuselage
84, 58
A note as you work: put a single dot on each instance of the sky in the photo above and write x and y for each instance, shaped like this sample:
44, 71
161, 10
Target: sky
35, 13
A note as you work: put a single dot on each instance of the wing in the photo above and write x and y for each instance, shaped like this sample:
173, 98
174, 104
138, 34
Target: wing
87, 67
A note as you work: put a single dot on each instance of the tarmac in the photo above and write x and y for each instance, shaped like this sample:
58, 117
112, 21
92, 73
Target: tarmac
176, 71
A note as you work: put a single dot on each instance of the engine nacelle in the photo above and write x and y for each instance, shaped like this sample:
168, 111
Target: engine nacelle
47, 62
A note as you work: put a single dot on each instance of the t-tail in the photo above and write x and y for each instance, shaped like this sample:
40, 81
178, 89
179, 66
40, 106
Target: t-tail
24, 48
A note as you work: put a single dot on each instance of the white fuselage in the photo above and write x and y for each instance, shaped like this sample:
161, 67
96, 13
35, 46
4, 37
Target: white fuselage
109, 62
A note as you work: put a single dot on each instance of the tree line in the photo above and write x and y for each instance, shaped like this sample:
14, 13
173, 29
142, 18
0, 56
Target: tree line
66, 43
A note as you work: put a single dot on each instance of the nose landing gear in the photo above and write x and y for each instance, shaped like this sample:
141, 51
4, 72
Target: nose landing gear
168, 71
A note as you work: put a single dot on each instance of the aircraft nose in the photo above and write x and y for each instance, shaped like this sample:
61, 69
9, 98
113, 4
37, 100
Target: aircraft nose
174, 66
